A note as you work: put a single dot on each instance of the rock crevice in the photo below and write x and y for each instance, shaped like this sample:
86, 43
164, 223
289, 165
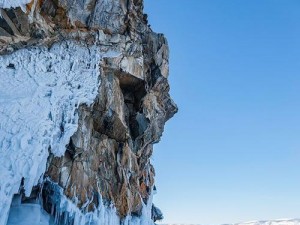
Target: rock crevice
108, 156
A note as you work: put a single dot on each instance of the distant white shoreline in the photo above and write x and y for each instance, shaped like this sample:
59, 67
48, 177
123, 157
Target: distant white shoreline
284, 221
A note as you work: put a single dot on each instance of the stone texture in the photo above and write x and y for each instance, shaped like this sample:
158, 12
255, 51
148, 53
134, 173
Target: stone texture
110, 152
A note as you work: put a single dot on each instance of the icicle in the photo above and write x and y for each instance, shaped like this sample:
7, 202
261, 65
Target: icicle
52, 210
66, 212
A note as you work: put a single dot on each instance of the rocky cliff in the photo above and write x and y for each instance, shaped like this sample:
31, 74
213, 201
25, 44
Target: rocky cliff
84, 96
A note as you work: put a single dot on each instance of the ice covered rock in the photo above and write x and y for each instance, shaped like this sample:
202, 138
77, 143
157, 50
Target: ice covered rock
13, 3
41, 91
84, 96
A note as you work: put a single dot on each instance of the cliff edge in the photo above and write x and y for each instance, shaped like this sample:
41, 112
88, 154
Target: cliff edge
84, 95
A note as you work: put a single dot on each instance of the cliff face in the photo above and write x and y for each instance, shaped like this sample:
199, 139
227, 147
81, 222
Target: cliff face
96, 150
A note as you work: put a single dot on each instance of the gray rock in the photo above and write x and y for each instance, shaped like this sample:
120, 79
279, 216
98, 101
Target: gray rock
111, 149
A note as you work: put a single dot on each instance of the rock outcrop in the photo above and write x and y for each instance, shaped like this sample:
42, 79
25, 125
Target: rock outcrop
108, 156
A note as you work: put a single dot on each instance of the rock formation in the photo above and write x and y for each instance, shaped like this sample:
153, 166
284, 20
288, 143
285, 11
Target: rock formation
97, 151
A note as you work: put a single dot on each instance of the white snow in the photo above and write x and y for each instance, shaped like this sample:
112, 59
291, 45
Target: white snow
13, 3
40, 91
273, 222
265, 222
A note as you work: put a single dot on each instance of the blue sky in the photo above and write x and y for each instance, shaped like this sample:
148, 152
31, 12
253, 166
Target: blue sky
232, 153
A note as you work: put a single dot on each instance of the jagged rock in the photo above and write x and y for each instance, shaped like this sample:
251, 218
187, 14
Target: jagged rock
109, 154
156, 213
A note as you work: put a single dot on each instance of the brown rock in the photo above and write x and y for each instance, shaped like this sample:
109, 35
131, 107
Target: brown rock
110, 152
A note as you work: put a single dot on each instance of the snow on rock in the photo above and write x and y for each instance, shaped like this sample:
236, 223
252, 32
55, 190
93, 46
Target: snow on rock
40, 91
13, 3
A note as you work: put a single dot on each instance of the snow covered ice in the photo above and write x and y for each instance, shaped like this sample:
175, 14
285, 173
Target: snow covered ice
272, 222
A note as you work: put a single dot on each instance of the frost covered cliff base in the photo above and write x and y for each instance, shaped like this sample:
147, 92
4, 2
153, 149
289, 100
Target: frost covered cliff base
84, 96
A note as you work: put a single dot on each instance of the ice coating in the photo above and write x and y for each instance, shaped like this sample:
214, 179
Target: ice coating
65, 212
13, 3
102, 215
40, 91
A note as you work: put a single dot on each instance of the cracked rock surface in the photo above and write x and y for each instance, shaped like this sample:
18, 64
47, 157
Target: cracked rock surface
109, 153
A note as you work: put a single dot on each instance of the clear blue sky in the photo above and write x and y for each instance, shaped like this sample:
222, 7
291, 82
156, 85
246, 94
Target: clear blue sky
232, 153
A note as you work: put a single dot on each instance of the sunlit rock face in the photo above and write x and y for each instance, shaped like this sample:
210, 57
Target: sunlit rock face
84, 96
